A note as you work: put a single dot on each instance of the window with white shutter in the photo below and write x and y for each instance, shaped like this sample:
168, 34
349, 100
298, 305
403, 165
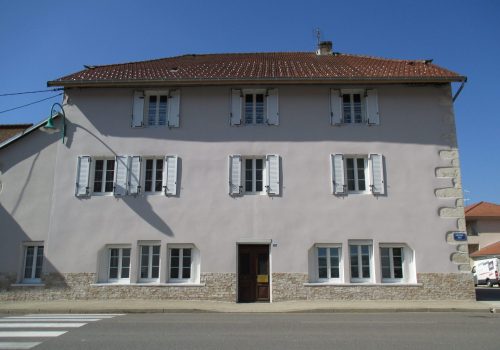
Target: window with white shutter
138, 109
254, 107
273, 174
174, 105
236, 106
272, 112
354, 106
372, 112
254, 175
338, 176
121, 175
335, 107
377, 174
103, 176
134, 180
170, 176
357, 174
83, 176
153, 174
156, 108
235, 187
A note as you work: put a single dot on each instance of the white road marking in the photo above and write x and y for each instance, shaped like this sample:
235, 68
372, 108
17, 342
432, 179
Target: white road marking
14, 345
31, 334
49, 317
50, 320
41, 325
75, 315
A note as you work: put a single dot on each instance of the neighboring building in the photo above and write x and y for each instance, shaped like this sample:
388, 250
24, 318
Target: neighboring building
9, 130
490, 251
483, 225
241, 177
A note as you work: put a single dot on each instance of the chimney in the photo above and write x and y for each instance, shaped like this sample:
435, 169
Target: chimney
324, 48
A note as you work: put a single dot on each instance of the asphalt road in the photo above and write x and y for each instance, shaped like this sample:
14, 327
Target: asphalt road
283, 331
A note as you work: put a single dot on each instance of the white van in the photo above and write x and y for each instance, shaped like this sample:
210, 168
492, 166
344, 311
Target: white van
486, 272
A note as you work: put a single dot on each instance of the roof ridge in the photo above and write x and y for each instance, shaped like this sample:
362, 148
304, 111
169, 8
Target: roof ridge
472, 206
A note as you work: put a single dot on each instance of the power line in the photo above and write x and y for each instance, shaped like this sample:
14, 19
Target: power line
30, 92
29, 104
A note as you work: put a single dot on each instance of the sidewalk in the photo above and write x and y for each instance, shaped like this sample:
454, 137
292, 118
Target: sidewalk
164, 306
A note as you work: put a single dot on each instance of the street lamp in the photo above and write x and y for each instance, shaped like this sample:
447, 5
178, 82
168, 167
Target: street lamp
50, 121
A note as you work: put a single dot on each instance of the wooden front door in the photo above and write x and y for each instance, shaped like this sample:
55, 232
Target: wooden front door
253, 273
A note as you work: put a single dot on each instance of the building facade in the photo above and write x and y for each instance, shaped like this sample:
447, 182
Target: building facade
483, 225
240, 177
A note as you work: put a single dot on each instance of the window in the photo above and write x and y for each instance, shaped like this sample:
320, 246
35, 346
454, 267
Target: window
353, 108
360, 256
328, 263
119, 265
392, 263
180, 264
254, 175
104, 173
357, 174
254, 108
156, 110
33, 262
150, 263
153, 175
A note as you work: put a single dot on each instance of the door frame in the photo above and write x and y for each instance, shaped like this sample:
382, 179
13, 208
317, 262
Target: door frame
266, 242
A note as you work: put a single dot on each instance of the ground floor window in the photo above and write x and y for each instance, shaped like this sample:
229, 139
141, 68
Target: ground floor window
396, 263
149, 263
119, 265
360, 257
328, 263
183, 263
33, 262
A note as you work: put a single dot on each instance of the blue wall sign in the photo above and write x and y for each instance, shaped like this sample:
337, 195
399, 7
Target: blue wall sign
459, 236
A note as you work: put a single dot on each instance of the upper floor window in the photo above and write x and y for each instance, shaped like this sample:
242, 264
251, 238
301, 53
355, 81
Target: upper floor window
156, 108
254, 107
352, 174
153, 175
249, 175
33, 262
103, 176
354, 106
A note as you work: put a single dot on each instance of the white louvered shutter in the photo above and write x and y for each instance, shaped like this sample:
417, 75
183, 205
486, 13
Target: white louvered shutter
134, 180
273, 174
272, 107
170, 175
82, 176
372, 107
236, 106
338, 177
235, 175
174, 108
138, 110
377, 173
121, 176
335, 107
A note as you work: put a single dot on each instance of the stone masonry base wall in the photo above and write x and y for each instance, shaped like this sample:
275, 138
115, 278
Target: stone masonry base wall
222, 287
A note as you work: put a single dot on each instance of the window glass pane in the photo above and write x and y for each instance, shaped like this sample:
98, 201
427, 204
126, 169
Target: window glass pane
360, 162
39, 262
144, 261
397, 254
125, 262
159, 175
162, 111
358, 118
248, 109
259, 109
258, 175
334, 262
99, 165
186, 263
110, 167
384, 256
28, 265
148, 178
354, 261
174, 263
113, 263
249, 175
346, 99
350, 174
152, 110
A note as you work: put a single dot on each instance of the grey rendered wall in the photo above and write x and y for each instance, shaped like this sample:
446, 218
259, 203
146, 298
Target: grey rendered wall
26, 183
416, 125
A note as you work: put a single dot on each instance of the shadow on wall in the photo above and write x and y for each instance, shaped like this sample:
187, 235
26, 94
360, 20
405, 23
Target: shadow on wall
428, 121
137, 204
13, 239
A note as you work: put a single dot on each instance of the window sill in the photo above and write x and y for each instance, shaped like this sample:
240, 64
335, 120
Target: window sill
28, 285
363, 284
150, 284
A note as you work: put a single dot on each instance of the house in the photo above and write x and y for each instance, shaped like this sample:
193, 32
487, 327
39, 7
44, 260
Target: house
9, 130
483, 226
240, 177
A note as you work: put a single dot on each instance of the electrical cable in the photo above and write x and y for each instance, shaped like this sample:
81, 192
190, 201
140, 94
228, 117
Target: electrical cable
30, 92
31, 103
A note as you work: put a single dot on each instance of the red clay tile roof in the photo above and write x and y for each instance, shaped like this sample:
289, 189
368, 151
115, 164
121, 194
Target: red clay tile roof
491, 249
275, 66
9, 130
482, 210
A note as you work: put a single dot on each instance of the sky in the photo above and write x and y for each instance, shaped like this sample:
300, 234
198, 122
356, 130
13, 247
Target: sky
44, 40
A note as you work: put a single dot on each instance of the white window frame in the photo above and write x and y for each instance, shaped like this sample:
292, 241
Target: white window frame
32, 279
358, 244
119, 279
329, 279
158, 95
407, 263
194, 267
356, 180
143, 173
351, 93
103, 180
254, 93
254, 173
150, 246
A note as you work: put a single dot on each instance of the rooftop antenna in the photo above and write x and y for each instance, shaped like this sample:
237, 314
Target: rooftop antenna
317, 31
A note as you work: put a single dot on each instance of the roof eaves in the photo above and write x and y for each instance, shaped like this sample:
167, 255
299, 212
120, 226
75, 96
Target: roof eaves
25, 132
